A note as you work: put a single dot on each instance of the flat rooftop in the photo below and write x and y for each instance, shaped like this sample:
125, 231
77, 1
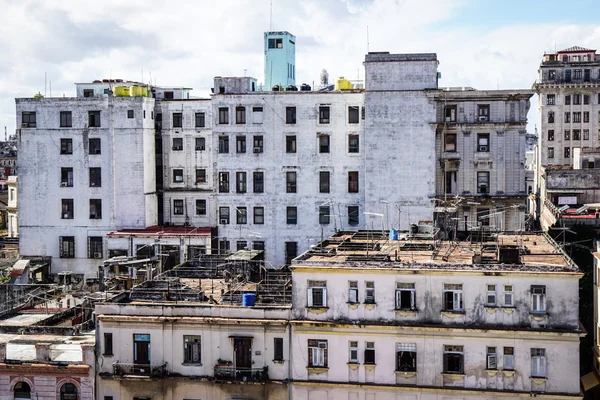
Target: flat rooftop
497, 252
160, 231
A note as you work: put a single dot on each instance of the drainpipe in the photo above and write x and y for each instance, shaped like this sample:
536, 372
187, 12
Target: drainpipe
290, 380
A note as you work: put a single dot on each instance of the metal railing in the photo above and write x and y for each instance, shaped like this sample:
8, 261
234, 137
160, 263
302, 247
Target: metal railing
153, 370
241, 374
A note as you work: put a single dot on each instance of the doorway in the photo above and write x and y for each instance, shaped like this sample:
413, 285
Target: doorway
242, 354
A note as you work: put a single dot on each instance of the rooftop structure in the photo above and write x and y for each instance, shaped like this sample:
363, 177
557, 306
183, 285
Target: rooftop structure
280, 60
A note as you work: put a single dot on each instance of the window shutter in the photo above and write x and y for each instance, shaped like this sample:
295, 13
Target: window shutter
325, 298
491, 361
310, 298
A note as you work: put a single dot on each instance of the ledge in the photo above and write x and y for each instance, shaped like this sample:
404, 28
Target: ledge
491, 372
453, 376
508, 372
491, 309
317, 310
370, 306
370, 367
406, 313
192, 364
278, 361
405, 374
317, 370
453, 314
508, 310
353, 306
538, 380
353, 366
538, 316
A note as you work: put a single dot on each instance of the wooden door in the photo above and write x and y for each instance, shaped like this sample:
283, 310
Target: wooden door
242, 348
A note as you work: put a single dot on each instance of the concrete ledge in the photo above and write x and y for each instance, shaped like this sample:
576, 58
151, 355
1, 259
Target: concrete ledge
317, 310
353, 306
405, 374
508, 372
317, 370
370, 306
353, 366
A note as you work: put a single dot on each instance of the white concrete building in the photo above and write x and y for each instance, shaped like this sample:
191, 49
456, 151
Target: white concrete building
12, 209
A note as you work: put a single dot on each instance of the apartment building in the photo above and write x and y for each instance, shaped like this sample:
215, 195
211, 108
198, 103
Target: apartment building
480, 146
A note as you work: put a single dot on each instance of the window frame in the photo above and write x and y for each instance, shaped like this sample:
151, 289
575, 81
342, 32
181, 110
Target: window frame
189, 348
201, 206
314, 287
67, 121
457, 291
258, 215
317, 353
401, 349
258, 185
200, 119
353, 114
456, 353
353, 215
223, 182
406, 287
177, 175
324, 114
291, 215
290, 115
353, 143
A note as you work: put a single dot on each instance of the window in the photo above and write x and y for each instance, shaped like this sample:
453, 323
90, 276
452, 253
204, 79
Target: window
352, 292
290, 182
550, 152
223, 215
223, 182
550, 135
258, 245
550, 99
370, 292
65, 119
576, 134
353, 215
95, 208
66, 177
241, 245
200, 207
258, 181
88, 92
324, 186
277, 349
405, 296
586, 116
291, 215
323, 143
567, 152
240, 182
290, 144
276, 43
66, 146
177, 176
317, 353
450, 114
259, 215
352, 181
577, 73
324, 114
192, 350
257, 115
200, 120
129, 113
483, 142
177, 144
453, 360
353, 144
223, 115
577, 99
567, 100
508, 297
453, 297
353, 352
324, 218
28, 119
406, 357
67, 209
94, 119
67, 246
577, 116
200, 144
538, 299
95, 177
242, 215
95, 146
240, 144
240, 115
483, 182
353, 117
551, 74
538, 363
550, 117
450, 142
108, 344
483, 112
178, 207
68, 391
200, 175
369, 352
586, 134
258, 144
224, 244
490, 297
491, 358
567, 134
586, 99
95, 247
567, 117
317, 293
290, 115
291, 251
223, 144
509, 358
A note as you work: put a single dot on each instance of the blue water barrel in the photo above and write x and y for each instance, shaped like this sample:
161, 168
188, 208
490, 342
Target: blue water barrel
248, 299
393, 234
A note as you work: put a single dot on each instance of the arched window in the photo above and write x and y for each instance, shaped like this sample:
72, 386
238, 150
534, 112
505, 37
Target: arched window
22, 391
68, 391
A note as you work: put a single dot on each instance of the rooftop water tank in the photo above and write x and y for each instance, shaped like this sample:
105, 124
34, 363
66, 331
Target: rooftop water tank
305, 88
122, 91
343, 84
276, 88
248, 299
291, 88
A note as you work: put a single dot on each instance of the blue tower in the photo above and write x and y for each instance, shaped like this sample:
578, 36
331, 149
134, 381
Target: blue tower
280, 59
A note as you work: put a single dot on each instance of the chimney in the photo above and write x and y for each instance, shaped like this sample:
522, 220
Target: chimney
42, 352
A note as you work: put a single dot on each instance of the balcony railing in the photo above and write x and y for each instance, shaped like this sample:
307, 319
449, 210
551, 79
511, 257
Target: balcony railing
241, 374
152, 370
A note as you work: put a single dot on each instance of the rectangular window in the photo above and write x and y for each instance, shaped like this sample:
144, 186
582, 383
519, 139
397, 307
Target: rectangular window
538, 363
550, 99
550, 135
259, 215
200, 119
586, 116
67, 246
353, 144
324, 218
28, 119
88, 92
223, 182
577, 117
576, 134
94, 119
491, 358
240, 144
200, 144
538, 299
290, 144
177, 144
317, 353
508, 296
450, 114
291, 251
242, 215
551, 74
353, 117
369, 352
324, 186
353, 218
95, 146
323, 143
550, 117
223, 115
290, 182
577, 99
257, 115
450, 142
223, 144
200, 175
567, 100
567, 117
201, 207
586, 134
353, 292
324, 114
567, 134
353, 352
291, 215
129, 113
317, 294
352, 181
67, 208
240, 182
66, 120
224, 215
567, 152
490, 297
108, 344
240, 115
290, 115
258, 245
178, 207
66, 177
370, 292
224, 245
453, 360
258, 144
483, 216
66, 146
277, 349
192, 350
550, 152
95, 247
406, 357
258, 181
453, 297
483, 182
483, 113
95, 208
405, 296
586, 99
509, 358
483, 142
177, 176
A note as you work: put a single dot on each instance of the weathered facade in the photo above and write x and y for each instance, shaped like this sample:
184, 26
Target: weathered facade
12, 208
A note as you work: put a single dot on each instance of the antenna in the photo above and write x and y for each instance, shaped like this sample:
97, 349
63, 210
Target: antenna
271, 17
367, 38
45, 78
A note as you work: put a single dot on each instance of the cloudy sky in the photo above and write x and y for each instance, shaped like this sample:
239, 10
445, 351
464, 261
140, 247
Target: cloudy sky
486, 44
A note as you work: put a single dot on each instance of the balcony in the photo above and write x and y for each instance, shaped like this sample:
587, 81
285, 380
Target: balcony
149, 370
229, 373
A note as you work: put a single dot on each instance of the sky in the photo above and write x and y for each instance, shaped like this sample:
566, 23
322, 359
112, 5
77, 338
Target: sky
486, 44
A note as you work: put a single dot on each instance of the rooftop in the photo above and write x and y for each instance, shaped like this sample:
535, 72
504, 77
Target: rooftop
160, 231
385, 56
574, 49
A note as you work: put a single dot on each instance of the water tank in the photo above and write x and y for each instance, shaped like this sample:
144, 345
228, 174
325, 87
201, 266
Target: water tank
343, 84
276, 88
414, 229
305, 88
248, 299
291, 88
137, 91
393, 234
122, 91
